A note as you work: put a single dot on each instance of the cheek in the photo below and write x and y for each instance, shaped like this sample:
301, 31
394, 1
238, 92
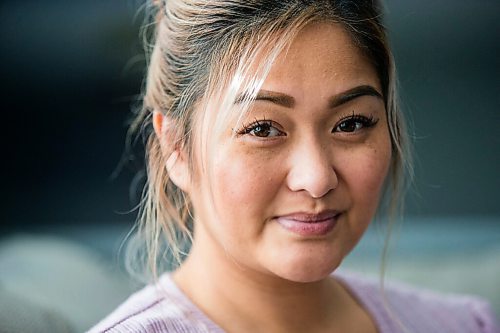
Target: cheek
365, 175
244, 185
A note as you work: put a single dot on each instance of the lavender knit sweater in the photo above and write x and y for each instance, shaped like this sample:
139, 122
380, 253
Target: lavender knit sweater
165, 308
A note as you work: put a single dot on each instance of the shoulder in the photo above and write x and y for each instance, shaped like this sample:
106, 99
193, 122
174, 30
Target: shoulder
400, 307
156, 308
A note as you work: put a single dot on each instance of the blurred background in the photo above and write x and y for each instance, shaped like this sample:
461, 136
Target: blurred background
71, 72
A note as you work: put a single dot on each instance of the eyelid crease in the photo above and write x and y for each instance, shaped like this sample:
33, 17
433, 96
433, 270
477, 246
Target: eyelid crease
366, 121
248, 127
354, 115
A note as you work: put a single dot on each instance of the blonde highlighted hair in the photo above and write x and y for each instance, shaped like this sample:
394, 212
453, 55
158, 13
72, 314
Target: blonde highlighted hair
207, 50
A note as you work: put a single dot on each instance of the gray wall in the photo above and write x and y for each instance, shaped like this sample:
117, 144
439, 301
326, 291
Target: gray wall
448, 57
71, 69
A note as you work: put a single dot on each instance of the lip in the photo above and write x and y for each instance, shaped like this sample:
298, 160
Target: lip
307, 224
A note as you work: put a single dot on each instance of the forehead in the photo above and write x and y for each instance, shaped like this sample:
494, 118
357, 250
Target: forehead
320, 62
322, 58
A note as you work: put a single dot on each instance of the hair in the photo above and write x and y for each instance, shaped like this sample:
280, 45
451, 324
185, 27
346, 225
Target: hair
206, 50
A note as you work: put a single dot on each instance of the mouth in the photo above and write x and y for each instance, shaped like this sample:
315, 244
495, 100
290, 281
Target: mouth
306, 224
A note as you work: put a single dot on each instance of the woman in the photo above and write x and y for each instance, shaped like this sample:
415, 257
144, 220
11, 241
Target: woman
276, 135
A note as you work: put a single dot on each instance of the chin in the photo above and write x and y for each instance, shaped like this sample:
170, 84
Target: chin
305, 270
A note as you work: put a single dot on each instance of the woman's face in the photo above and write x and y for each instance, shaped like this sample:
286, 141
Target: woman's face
292, 193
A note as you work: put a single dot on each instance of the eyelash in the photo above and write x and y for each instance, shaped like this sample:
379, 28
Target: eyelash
266, 124
364, 121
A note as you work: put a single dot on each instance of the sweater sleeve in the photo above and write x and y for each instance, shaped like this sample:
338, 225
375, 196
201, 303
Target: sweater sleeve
483, 315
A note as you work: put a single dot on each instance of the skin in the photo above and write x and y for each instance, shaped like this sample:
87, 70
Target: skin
245, 270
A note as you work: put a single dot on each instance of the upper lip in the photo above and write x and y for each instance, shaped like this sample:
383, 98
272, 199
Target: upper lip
311, 217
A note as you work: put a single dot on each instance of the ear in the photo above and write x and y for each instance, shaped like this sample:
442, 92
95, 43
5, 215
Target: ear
177, 161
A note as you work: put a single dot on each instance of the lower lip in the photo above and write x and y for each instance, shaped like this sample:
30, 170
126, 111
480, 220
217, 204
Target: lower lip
316, 228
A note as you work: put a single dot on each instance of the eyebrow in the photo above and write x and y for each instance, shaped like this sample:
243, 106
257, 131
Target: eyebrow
335, 101
354, 93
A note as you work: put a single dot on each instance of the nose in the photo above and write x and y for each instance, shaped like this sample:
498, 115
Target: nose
312, 171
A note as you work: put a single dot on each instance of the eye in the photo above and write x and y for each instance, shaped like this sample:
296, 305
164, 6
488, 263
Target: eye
354, 123
262, 129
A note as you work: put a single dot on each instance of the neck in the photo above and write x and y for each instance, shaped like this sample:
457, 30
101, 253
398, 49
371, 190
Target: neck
241, 299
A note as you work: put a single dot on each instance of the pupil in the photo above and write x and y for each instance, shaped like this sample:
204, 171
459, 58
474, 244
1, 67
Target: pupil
348, 126
261, 130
